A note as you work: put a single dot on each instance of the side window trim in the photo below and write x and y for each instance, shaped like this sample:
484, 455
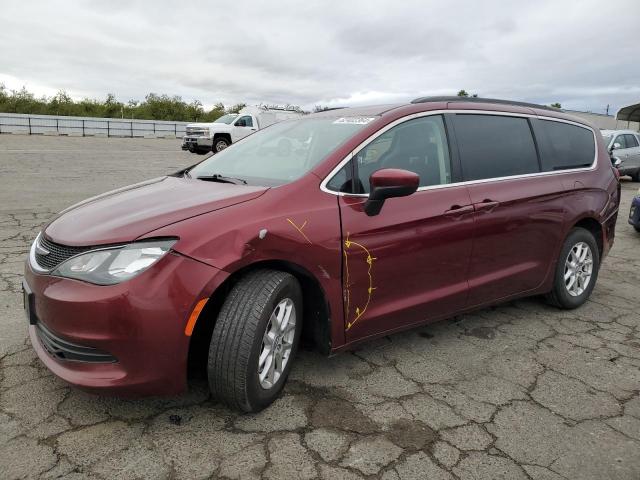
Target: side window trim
375, 135
533, 126
454, 154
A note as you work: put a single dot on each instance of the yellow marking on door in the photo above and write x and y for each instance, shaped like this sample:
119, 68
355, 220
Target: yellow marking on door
359, 312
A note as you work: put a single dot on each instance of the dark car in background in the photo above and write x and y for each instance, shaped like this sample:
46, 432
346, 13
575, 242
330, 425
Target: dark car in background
380, 219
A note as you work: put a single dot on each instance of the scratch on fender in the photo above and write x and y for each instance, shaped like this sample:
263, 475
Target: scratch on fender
299, 229
359, 311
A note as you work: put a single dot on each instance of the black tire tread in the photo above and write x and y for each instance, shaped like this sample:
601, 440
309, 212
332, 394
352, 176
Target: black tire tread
233, 335
553, 297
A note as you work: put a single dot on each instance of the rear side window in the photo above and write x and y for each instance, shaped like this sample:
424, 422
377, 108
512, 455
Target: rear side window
564, 146
493, 146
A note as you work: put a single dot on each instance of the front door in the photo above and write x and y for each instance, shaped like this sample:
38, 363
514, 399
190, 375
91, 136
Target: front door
628, 153
408, 264
242, 127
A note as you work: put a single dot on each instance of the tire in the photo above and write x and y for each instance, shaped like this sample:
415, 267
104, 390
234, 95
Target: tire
219, 144
637, 228
636, 176
569, 295
237, 342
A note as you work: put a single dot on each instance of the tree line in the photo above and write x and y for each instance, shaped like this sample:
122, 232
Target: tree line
153, 107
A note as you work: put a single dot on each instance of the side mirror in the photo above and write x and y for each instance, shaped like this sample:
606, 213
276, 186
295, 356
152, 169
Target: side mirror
389, 183
241, 123
616, 146
617, 162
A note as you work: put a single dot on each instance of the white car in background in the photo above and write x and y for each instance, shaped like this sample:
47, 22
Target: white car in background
624, 148
218, 135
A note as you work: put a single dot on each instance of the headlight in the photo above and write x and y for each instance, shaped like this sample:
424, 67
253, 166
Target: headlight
109, 266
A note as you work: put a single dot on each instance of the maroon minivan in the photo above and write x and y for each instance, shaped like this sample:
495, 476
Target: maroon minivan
336, 228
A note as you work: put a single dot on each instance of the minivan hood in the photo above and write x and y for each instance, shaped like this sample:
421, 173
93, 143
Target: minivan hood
127, 213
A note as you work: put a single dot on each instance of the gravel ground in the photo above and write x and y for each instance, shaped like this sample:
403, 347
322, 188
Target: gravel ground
521, 390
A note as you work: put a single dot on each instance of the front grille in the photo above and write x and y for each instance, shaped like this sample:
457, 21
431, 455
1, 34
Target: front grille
57, 253
196, 131
64, 350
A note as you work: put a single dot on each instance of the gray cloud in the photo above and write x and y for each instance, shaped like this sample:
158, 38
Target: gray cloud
330, 52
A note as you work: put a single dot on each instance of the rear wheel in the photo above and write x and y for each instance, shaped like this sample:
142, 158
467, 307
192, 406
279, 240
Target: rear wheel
636, 176
576, 271
254, 340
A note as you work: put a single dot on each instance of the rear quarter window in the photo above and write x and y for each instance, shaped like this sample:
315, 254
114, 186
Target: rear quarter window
564, 146
494, 146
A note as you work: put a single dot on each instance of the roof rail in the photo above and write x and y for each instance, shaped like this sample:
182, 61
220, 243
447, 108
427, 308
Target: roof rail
483, 100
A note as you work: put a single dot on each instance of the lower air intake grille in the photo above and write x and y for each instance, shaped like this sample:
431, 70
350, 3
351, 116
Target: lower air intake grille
64, 350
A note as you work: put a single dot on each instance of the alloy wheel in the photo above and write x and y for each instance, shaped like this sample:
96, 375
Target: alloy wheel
578, 268
277, 343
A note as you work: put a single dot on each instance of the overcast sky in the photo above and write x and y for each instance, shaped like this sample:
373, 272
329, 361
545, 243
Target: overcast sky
583, 54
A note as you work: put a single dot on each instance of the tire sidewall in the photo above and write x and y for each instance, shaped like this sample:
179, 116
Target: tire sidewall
576, 236
256, 394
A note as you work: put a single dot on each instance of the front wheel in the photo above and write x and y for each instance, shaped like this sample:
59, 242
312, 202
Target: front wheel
576, 271
254, 340
219, 144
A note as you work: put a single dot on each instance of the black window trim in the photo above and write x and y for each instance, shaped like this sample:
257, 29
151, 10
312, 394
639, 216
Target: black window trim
392, 124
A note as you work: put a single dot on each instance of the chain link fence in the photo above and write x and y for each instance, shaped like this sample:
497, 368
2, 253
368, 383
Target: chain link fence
26, 124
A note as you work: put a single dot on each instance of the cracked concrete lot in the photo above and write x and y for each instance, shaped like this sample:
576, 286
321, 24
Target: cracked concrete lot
518, 391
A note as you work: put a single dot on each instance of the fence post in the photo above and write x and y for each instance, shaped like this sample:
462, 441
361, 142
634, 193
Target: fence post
154, 129
175, 129
108, 130
29, 118
83, 127
131, 127
57, 127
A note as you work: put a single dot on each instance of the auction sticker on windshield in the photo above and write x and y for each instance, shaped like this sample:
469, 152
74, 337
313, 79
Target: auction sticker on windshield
355, 120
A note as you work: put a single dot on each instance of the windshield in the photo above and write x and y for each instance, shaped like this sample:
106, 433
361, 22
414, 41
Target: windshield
226, 118
282, 152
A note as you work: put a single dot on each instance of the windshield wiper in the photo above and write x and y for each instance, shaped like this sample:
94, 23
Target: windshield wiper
216, 177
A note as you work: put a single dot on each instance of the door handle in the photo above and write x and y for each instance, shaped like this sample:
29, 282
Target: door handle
486, 205
457, 210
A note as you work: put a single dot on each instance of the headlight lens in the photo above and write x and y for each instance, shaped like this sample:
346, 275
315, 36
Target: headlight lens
114, 265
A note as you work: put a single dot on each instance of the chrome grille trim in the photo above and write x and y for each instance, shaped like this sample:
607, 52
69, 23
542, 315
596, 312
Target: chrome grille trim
57, 253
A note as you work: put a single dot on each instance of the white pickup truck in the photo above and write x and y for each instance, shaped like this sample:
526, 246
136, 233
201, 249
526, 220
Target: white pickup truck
206, 137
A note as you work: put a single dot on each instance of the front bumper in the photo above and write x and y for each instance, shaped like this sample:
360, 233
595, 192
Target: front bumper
634, 212
137, 325
196, 143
